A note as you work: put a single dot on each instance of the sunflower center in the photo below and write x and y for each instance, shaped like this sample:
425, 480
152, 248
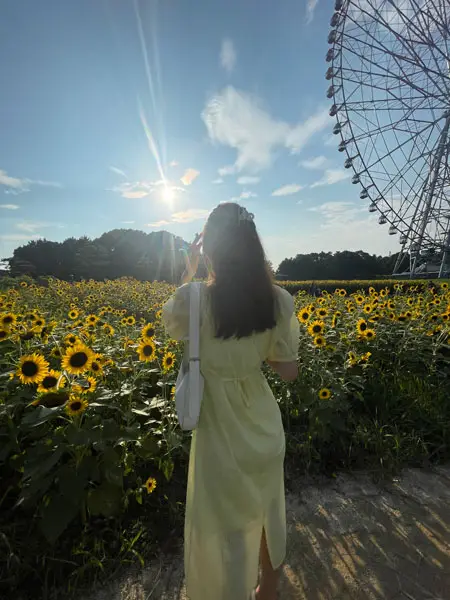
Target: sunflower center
30, 368
169, 360
150, 333
75, 406
317, 328
79, 359
95, 366
7, 320
362, 326
2, 335
49, 382
147, 350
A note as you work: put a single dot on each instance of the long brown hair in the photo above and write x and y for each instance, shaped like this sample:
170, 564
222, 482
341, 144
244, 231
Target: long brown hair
241, 290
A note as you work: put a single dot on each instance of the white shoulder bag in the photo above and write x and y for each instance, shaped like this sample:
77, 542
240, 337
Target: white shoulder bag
190, 383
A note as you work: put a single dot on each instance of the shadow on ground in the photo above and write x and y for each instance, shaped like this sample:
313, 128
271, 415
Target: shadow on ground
347, 540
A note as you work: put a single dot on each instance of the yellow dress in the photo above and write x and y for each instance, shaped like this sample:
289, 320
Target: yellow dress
235, 481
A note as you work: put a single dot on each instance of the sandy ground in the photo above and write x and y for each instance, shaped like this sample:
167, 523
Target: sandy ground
348, 539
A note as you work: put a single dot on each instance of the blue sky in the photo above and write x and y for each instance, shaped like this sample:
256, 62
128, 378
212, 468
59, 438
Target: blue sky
146, 114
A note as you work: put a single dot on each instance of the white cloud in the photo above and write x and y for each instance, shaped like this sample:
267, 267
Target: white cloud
191, 214
248, 180
300, 135
218, 180
314, 163
332, 176
141, 189
10, 206
310, 8
158, 223
288, 190
32, 226
244, 196
237, 119
173, 163
128, 222
118, 172
228, 170
189, 176
16, 186
228, 55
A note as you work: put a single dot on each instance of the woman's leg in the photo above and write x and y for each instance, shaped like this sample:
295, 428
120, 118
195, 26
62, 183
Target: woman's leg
267, 589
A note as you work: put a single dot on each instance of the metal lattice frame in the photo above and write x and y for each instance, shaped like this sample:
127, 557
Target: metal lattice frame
390, 85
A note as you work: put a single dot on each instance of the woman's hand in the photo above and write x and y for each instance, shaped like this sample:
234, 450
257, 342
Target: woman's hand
192, 259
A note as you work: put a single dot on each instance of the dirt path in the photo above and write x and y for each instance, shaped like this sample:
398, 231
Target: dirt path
347, 540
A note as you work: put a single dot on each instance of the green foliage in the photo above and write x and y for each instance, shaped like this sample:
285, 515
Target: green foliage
77, 486
317, 286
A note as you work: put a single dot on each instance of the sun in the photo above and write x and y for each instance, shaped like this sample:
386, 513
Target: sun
167, 194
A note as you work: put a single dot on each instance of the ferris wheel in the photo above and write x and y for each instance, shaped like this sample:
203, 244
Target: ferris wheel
390, 84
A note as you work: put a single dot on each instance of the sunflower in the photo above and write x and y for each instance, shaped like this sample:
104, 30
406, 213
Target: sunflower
23, 284
32, 368
359, 299
108, 329
146, 351
77, 359
322, 312
56, 352
324, 394
365, 357
86, 389
342, 293
316, 328
130, 320
92, 319
158, 314
383, 293
72, 339
369, 334
96, 365
8, 320
168, 361
367, 308
73, 314
319, 341
303, 315
148, 332
4, 334
51, 382
352, 358
76, 406
150, 485
361, 326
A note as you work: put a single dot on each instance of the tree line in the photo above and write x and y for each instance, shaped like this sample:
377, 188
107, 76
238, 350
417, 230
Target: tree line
159, 256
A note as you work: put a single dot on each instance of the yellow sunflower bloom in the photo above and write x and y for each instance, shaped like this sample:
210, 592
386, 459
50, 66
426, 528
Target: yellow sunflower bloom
319, 341
8, 320
108, 329
73, 314
148, 332
97, 363
89, 385
168, 361
52, 382
361, 326
146, 351
4, 334
76, 406
316, 328
150, 485
369, 334
32, 368
324, 394
77, 359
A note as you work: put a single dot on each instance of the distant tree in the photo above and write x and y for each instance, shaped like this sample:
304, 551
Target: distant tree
338, 265
117, 253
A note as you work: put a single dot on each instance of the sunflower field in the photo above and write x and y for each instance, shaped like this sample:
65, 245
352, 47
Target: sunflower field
92, 462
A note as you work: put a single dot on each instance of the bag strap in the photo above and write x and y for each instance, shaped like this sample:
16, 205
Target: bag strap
194, 322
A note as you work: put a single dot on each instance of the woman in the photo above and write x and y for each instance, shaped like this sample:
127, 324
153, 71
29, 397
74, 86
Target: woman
235, 511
